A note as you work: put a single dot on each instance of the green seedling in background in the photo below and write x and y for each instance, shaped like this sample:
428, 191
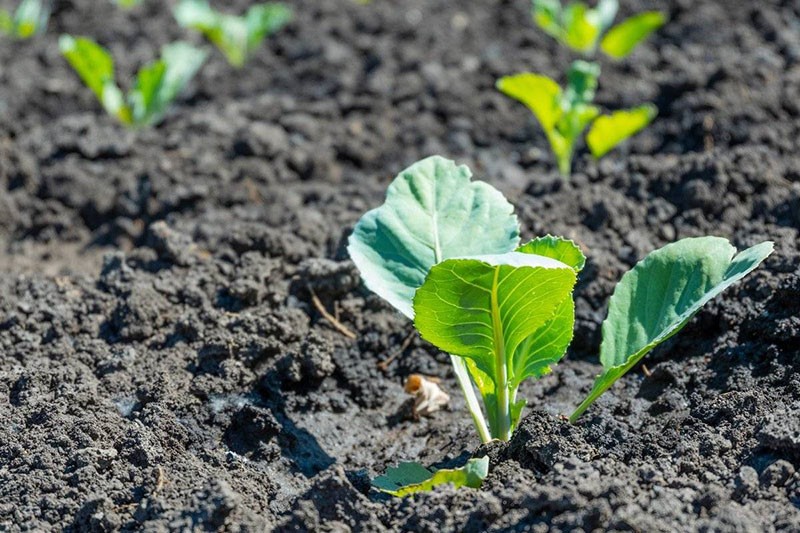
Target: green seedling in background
411, 478
157, 84
659, 296
580, 27
236, 37
29, 19
565, 114
444, 251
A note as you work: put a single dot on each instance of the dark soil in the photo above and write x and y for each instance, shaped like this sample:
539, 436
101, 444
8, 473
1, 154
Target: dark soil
162, 366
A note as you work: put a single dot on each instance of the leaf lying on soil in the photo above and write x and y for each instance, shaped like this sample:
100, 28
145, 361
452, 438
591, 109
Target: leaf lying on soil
410, 478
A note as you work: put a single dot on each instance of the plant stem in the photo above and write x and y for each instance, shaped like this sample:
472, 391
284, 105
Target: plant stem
596, 393
462, 375
503, 418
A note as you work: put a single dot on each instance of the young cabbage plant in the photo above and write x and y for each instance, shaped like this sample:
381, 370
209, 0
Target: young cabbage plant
658, 297
581, 27
440, 235
29, 19
564, 114
236, 36
157, 84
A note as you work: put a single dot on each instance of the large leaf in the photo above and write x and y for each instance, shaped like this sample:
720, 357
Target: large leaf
625, 36
609, 130
95, 67
506, 313
659, 296
432, 212
411, 478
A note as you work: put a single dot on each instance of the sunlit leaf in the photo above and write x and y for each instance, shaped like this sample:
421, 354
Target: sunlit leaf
609, 130
625, 36
659, 296
411, 478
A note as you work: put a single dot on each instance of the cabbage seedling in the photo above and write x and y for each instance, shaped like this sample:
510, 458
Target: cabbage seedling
564, 114
29, 19
580, 27
236, 37
434, 214
658, 297
157, 84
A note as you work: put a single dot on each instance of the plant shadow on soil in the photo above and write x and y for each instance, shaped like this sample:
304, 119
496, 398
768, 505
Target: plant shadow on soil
162, 365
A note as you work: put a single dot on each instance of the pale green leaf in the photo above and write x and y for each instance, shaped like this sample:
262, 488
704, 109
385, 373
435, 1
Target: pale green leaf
30, 18
557, 248
235, 36
264, 20
95, 67
609, 130
538, 93
658, 297
625, 36
6, 22
547, 15
160, 82
433, 211
410, 478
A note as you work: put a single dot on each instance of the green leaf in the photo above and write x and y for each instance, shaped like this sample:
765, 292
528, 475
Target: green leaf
659, 296
625, 36
30, 18
485, 308
557, 248
411, 478
432, 212
6, 22
95, 67
159, 83
609, 130
581, 83
538, 93
547, 15
264, 20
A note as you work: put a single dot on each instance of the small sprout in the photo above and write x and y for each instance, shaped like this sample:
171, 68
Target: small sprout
580, 27
236, 37
157, 84
659, 296
428, 395
411, 478
29, 19
565, 114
